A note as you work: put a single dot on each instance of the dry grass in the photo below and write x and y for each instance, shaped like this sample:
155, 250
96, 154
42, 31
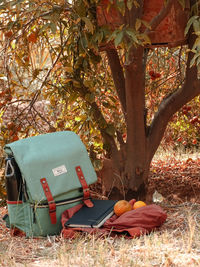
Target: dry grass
177, 243
180, 154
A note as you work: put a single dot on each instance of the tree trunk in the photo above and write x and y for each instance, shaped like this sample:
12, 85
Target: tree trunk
125, 175
114, 183
128, 179
135, 101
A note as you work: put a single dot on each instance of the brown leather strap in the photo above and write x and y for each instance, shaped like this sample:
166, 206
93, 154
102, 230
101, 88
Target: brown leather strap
86, 190
51, 202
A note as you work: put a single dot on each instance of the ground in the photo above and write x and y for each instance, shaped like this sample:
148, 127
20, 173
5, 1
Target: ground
177, 180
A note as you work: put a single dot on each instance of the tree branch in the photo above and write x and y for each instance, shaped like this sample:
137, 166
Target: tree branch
173, 102
161, 15
118, 76
98, 116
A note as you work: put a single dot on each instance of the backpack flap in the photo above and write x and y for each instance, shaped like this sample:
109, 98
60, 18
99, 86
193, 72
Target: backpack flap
61, 158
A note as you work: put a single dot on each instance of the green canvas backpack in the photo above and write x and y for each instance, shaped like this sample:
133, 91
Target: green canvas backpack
54, 174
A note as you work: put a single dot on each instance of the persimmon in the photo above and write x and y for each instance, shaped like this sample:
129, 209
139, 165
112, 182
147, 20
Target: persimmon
139, 204
10, 125
61, 124
194, 119
194, 141
121, 207
8, 34
154, 75
14, 138
32, 37
151, 72
26, 58
158, 75
18, 128
8, 98
2, 93
52, 129
180, 139
184, 143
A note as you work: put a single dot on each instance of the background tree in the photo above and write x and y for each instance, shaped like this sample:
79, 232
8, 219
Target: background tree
53, 52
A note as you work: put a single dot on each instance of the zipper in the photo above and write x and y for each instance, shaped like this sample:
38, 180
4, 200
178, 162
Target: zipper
58, 203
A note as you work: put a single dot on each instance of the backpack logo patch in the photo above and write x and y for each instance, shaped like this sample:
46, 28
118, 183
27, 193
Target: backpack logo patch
59, 170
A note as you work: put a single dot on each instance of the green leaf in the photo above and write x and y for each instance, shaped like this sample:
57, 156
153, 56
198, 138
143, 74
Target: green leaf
192, 62
13, 3
110, 129
196, 25
197, 43
44, 27
189, 24
130, 4
132, 35
97, 164
2, 7
145, 38
88, 24
118, 38
53, 27
198, 61
98, 37
47, 17
84, 42
121, 7
112, 36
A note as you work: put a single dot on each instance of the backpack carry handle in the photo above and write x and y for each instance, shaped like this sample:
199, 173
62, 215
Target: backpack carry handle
13, 180
9, 167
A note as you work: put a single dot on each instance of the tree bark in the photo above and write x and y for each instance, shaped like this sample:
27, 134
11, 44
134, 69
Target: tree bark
135, 99
118, 76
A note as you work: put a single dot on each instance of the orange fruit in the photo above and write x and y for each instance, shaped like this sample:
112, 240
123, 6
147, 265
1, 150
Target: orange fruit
139, 204
121, 207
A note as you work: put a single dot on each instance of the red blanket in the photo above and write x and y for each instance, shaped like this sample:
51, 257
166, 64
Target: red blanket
135, 222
